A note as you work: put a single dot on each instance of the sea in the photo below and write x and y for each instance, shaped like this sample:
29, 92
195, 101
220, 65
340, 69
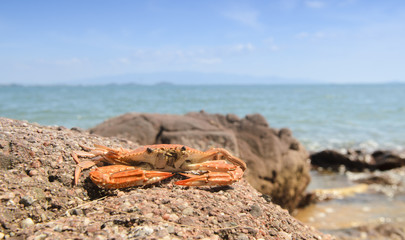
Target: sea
366, 117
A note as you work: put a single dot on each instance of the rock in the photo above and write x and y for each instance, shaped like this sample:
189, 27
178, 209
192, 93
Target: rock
26, 223
386, 160
75, 211
277, 163
255, 210
27, 201
5, 161
63, 211
242, 237
373, 231
257, 119
188, 211
173, 217
142, 231
357, 160
390, 182
332, 160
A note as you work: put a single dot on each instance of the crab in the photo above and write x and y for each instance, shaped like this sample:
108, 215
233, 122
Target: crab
153, 163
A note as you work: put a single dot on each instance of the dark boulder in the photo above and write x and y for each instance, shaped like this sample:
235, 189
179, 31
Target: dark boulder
386, 160
333, 160
357, 160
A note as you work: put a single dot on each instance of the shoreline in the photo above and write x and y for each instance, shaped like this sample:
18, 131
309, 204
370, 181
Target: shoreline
354, 194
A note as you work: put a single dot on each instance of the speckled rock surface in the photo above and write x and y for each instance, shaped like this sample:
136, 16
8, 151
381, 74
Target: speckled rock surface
278, 164
38, 201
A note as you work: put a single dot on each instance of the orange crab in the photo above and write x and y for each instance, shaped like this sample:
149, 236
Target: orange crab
153, 163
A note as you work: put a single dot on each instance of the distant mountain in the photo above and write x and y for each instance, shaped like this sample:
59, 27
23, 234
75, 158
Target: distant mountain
396, 82
189, 78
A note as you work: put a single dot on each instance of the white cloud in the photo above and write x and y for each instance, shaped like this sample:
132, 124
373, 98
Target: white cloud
315, 4
241, 47
247, 17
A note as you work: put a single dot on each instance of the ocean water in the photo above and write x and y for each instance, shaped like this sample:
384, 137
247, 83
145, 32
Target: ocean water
321, 116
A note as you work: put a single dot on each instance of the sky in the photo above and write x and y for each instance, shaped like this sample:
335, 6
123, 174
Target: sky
209, 41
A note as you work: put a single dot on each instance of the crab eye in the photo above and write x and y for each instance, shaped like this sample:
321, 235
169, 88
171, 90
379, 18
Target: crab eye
183, 148
149, 150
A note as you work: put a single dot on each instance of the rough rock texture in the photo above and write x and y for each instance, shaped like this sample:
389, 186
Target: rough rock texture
277, 163
38, 201
357, 160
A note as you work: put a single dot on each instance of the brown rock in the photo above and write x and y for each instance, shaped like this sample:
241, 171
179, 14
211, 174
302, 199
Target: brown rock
277, 163
63, 211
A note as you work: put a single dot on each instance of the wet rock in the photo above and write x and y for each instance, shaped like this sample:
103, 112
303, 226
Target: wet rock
331, 159
386, 160
357, 160
373, 231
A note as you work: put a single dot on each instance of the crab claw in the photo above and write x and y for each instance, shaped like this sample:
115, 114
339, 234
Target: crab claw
219, 173
215, 166
207, 179
122, 176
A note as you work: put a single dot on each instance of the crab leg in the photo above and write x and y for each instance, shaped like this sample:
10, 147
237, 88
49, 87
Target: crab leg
83, 165
220, 173
121, 176
96, 154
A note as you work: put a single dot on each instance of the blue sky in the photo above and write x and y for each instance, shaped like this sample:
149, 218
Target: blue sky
345, 41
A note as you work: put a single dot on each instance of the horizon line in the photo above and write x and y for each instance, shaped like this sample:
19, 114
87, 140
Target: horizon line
164, 84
